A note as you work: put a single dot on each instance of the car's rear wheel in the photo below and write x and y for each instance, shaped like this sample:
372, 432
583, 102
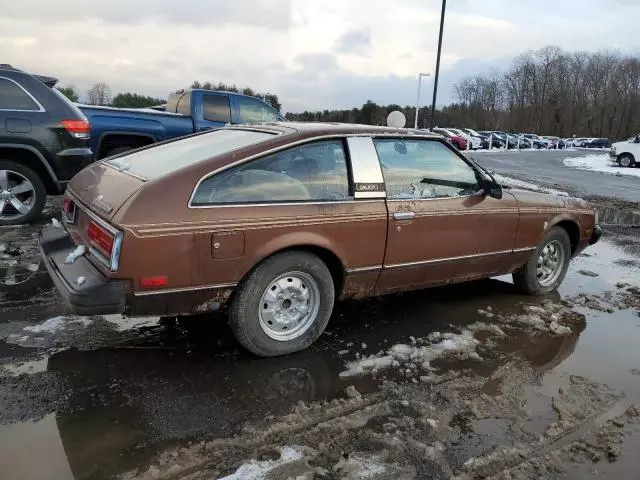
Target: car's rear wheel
283, 305
547, 266
22, 194
626, 160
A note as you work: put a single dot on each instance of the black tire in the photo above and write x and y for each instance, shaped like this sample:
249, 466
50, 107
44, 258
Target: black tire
117, 151
626, 157
244, 319
40, 193
526, 279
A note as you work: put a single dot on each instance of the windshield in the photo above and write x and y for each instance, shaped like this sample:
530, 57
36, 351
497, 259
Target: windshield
160, 160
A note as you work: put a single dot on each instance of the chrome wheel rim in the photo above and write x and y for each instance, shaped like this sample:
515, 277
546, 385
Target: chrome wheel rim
17, 195
625, 161
550, 263
289, 306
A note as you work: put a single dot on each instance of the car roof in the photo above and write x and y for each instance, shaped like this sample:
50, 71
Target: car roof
331, 128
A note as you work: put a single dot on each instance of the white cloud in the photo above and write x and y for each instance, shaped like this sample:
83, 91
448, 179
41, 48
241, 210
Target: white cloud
312, 53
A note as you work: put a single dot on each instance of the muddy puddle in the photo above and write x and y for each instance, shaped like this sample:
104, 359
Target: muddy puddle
103, 398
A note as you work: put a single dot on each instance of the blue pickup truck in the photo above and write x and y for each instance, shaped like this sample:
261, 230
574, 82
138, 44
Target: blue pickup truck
116, 130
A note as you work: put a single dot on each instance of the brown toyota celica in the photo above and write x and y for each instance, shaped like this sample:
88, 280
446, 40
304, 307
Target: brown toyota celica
276, 221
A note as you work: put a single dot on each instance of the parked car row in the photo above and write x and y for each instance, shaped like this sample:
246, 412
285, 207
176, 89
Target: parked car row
584, 142
468, 138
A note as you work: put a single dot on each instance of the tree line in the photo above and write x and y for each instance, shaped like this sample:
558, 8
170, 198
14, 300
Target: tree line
546, 91
554, 92
100, 94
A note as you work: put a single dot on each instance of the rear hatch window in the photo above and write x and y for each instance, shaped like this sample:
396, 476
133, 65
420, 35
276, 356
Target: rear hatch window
161, 160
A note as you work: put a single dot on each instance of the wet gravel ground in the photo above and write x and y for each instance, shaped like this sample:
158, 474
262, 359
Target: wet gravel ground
467, 381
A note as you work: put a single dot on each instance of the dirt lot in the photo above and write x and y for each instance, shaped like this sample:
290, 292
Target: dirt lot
468, 381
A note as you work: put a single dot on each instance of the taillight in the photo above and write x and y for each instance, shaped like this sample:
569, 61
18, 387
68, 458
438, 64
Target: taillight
68, 210
104, 244
77, 128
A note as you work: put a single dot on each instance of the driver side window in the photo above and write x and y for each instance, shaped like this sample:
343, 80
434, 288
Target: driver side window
312, 172
418, 169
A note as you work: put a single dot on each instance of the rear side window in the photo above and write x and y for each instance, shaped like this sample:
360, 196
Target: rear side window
160, 160
216, 108
68, 102
415, 169
184, 104
312, 172
253, 111
14, 97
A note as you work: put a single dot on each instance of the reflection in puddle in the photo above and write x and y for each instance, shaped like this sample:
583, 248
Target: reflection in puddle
33, 451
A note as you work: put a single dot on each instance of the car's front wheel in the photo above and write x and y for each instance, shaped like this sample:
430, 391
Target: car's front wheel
283, 305
22, 194
547, 266
626, 160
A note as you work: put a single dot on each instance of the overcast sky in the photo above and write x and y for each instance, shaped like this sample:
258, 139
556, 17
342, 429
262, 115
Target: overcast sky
314, 54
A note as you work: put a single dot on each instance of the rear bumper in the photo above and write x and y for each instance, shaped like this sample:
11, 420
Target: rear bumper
97, 295
595, 236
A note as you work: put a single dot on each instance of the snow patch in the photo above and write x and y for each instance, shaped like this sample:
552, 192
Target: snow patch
600, 163
257, 470
77, 253
80, 280
56, 324
515, 183
442, 344
56, 223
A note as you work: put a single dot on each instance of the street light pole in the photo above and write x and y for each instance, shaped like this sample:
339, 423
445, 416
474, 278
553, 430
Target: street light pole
420, 75
435, 80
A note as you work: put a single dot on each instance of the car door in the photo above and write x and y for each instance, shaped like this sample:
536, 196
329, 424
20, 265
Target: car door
442, 227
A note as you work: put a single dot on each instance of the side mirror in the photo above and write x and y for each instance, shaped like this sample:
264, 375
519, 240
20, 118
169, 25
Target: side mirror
492, 189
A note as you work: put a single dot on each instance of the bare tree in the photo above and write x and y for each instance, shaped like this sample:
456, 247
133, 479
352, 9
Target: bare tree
556, 93
99, 94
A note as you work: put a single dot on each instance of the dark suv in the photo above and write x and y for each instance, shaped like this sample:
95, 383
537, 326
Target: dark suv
44, 141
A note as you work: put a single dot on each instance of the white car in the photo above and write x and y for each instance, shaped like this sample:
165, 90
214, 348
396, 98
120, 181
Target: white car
627, 153
474, 142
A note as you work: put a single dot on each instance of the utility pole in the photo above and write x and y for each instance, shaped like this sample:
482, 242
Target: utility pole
435, 80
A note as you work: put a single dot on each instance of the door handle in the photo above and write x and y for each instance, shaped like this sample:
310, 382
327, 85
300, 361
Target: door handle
404, 215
